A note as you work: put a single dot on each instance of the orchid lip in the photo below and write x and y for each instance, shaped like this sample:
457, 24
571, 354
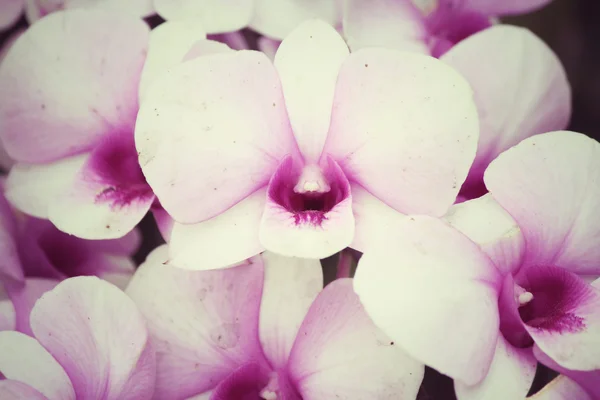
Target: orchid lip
549, 303
254, 380
115, 164
310, 194
544, 299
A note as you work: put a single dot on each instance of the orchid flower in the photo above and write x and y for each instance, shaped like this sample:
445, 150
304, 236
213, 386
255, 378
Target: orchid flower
90, 342
529, 94
274, 18
265, 329
292, 157
428, 26
67, 116
516, 288
36, 256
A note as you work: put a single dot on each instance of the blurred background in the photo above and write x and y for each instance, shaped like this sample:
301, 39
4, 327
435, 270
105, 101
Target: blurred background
572, 29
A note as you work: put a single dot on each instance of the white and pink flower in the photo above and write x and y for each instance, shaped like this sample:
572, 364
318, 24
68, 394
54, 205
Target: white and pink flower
89, 342
265, 329
515, 290
292, 157
36, 256
67, 116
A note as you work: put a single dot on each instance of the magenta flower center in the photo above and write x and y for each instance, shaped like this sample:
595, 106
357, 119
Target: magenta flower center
115, 164
546, 299
253, 382
448, 26
548, 303
310, 194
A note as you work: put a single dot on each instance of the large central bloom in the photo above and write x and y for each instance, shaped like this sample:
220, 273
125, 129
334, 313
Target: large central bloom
295, 156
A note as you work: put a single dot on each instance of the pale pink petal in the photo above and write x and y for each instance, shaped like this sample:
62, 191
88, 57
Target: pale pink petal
8, 316
203, 324
309, 226
138, 8
234, 40
486, 223
215, 16
120, 280
453, 285
549, 185
290, 286
10, 11
169, 43
587, 380
211, 132
340, 353
308, 62
510, 375
562, 388
24, 298
504, 7
15, 390
226, 239
268, 46
99, 337
83, 85
392, 24
384, 138
371, 217
10, 265
278, 18
563, 317
530, 94
23, 359
31, 188
206, 47
109, 195
36, 9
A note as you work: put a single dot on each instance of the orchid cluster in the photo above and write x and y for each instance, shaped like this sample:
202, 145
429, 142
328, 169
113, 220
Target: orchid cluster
421, 143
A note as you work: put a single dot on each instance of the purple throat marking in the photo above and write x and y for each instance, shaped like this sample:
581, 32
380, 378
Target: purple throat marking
308, 196
449, 25
555, 295
114, 163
